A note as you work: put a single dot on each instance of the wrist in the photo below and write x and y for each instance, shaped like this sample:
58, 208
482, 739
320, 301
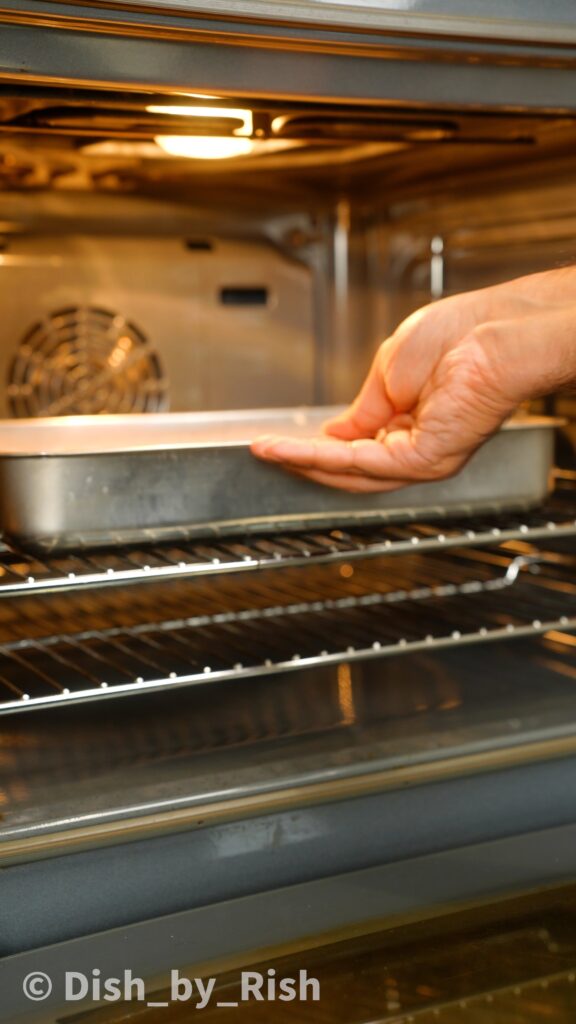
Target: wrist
548, 286
531, 356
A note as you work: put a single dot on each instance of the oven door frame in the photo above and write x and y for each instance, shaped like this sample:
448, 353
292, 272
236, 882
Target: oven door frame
235, 934
239, 50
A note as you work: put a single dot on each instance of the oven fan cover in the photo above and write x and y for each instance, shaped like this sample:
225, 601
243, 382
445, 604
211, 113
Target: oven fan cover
85, 360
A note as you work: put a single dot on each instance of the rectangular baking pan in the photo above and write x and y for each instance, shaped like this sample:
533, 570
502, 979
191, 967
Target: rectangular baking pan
95, 481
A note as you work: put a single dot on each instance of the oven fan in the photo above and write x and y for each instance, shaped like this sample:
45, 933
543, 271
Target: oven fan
85, 360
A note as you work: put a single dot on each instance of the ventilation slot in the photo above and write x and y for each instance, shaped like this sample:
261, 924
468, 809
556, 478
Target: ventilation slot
244, 296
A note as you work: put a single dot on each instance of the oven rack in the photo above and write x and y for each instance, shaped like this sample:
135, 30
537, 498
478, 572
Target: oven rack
255, 642
22, 573
546, 996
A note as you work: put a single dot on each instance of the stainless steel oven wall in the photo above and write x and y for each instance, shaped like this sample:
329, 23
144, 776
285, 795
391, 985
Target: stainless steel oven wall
353, 294
471, 234
223, 309
242, 309
105, 322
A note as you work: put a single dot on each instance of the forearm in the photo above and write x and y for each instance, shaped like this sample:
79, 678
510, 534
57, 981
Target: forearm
531, 292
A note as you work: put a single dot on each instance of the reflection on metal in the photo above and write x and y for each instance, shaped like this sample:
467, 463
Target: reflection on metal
437, 267
341, 237
232, 114
133, 823
339, 347
346, 694
561, 638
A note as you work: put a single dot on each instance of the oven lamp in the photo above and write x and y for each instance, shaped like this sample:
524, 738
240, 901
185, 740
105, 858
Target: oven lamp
204, 147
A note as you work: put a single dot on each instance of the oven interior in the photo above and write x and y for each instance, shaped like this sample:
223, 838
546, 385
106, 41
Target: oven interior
272, 275
267, 689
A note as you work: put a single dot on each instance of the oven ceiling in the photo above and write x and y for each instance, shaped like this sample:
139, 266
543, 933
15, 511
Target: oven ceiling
98, 139
89, 114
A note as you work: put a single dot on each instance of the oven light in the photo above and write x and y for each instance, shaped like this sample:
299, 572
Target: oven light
234, 113
204, 147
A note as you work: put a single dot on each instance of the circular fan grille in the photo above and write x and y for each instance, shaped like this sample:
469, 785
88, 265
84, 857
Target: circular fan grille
85, 360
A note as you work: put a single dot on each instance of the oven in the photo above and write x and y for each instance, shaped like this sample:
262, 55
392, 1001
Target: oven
345, 749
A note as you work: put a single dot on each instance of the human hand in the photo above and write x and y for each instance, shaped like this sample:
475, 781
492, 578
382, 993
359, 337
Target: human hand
440, 386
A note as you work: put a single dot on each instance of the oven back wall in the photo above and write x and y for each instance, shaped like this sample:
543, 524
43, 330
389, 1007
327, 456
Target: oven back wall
98, 323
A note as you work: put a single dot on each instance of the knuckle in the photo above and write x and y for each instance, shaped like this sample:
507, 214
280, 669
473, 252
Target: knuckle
485, 333
482, 361
474, 366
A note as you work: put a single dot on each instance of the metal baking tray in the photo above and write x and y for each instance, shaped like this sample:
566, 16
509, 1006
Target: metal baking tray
96, 481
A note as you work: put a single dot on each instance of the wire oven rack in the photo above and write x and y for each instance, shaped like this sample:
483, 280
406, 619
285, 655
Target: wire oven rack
307, 630
551, 997
22, 573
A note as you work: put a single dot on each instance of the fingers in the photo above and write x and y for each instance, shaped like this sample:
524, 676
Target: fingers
331, 456
368, 458
354, 483
403, 365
